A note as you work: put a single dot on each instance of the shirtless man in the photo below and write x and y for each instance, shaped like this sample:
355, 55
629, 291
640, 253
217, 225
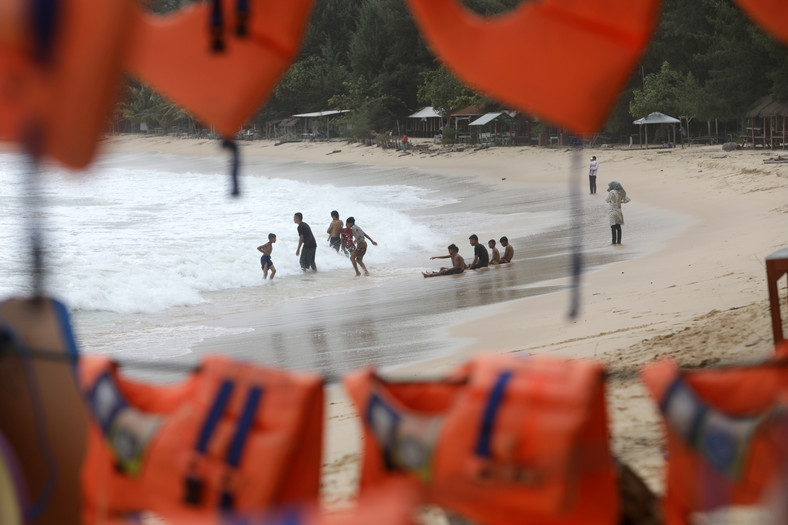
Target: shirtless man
265, 261
458, 263
495, 256
333, 231
508, 253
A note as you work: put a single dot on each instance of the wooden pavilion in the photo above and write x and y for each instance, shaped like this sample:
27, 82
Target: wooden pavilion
426, 122
766, 121
462, 118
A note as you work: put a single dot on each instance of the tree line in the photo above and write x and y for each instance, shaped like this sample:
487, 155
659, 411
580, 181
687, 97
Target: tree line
706, 62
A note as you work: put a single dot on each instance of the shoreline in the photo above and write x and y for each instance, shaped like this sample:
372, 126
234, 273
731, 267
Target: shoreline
699, 295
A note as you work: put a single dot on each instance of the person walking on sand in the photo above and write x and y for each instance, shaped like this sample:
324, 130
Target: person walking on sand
265, 261
616, 196
592, 168
458, 263
334, 230
481, 259
357, 256
508, 250
404, 143
307, 240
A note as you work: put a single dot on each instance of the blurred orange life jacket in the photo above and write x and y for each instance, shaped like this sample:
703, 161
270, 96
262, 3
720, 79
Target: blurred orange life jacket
232, 437
770, 15
60, 72
502, 441
552, 41
219, 60
727, 434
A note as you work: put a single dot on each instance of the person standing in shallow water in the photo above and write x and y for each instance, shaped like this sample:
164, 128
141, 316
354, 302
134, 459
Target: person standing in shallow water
616, 196
357, 256
307, 240
334, 230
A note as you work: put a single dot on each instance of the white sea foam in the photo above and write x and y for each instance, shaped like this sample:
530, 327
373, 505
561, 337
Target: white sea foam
130, 239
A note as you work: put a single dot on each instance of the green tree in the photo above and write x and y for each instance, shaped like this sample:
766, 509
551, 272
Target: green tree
367, 113
444, 92
667, 92
142, 104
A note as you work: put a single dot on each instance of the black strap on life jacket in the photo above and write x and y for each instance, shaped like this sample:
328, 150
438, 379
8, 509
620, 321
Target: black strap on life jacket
236, 162
194, 484
217, 27
484, 439
242, 13
236, 447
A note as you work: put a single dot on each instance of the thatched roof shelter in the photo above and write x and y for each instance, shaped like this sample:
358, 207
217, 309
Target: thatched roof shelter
766, 106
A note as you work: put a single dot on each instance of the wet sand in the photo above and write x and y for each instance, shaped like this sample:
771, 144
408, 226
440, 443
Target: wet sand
696, 293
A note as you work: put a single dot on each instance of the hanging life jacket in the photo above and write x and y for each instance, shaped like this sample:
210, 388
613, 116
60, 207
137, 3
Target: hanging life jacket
502, 441
727, 434
60, 72
769, 15
232, 437
219, 60
551, 37
389, 504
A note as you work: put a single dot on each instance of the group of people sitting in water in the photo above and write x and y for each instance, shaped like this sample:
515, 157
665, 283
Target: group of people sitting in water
481, 257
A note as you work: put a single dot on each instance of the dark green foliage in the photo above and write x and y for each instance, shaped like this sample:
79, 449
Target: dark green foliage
441, 90
706, 61
719, 64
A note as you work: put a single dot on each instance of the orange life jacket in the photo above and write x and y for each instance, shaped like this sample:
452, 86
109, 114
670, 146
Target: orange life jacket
390, 504
232, 437
504, 441
770, 15
727, 434
196, 57
60, 69
551, 42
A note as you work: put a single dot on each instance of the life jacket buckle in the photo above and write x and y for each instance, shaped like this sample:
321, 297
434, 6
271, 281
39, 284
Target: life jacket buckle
497, 472
227, 495
193, 490
193, 486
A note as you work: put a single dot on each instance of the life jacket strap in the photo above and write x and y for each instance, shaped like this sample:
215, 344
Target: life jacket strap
194, 484
242, 12
217, 27
484, 440
235, 450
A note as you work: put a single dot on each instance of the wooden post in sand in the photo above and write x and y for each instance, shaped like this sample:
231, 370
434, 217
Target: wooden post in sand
776, 267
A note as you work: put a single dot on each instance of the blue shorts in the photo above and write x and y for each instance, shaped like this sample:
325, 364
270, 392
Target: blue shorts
266, 259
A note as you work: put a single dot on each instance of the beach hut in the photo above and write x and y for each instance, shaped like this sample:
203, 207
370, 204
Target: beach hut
426, 122
462, 118
499, 127
656, 118
771, 115
316, 121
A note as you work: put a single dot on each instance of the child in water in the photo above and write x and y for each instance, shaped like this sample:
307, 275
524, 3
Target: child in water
348, 246
495, 255
265, 261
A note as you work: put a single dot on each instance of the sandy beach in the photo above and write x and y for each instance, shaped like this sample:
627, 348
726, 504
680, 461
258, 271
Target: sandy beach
695, 290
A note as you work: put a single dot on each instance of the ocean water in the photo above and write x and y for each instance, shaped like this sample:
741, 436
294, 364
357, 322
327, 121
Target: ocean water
149, 250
